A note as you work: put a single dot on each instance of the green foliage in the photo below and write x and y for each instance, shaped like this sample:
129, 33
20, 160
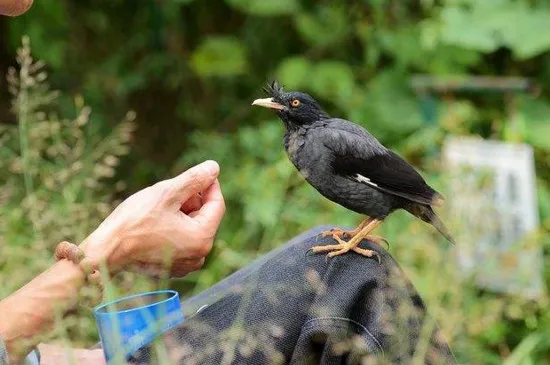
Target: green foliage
55, 177
295, 72
219, 56
265, 8
485, 26
190, 70
323, 27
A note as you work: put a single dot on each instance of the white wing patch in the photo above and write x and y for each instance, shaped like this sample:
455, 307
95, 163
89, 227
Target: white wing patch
363, 179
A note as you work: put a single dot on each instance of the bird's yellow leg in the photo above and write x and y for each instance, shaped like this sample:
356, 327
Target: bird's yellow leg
342, 247
341, 244
342, 234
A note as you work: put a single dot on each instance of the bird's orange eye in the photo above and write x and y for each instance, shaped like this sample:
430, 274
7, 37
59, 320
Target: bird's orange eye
295, 103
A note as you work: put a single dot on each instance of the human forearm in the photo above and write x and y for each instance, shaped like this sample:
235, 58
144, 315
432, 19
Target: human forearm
32, 309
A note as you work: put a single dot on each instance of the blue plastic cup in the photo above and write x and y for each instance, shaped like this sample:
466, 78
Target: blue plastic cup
128, 324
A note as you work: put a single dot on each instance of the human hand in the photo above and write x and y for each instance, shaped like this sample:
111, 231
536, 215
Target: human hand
169, 226
57, 355
14, 7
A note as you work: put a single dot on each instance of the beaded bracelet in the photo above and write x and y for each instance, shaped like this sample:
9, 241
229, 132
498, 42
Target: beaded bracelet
71, 252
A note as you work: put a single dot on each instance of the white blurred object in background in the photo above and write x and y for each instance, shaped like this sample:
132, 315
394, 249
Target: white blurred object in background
492, 194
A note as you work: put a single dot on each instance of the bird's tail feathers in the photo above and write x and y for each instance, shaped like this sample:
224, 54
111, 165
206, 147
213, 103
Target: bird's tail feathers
428, 215
437, 199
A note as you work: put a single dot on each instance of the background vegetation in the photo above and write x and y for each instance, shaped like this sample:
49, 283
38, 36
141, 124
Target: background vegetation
188, 70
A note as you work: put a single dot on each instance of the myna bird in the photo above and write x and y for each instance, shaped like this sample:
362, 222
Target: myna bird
349, 166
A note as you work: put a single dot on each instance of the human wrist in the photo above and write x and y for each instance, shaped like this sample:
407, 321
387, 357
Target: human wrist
105, 249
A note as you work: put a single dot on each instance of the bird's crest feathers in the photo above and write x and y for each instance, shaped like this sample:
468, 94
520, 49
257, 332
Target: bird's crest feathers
274, 89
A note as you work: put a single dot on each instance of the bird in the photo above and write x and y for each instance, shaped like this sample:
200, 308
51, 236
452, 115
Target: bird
349, 166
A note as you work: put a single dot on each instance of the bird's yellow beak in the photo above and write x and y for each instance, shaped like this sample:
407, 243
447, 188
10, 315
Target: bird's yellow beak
268, 103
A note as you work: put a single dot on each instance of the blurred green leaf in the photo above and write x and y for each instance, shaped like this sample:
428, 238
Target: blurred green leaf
388, 109
536, 116
265, 8
543, 195
529, 37
325, 26
469, 29
55, 15
485, 26
294, 72
522, 351
333, 81
263, 206
404, 45
219, 56
538, 136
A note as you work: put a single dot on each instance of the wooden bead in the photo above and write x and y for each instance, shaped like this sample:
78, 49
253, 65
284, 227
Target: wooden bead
69, 251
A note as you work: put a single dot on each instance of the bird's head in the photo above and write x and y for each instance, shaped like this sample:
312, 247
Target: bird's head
295, 109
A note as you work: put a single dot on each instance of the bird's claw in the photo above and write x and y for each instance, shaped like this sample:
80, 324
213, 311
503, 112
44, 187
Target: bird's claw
378, 240
335, 232
338, 232
368, 253
342, 248
309, 252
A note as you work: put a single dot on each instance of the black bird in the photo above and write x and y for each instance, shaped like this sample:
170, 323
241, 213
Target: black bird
349, 166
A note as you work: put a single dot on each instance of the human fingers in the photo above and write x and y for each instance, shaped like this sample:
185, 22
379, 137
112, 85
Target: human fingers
178, 268
14, 7
193, 181
211, 213
192, 204
185, 266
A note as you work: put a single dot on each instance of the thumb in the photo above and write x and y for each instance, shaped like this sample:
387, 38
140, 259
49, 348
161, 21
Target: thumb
212, 210
194, 180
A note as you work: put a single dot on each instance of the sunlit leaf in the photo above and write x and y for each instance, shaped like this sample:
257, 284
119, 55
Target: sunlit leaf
265, 7
468, 30
388, 109
294, 72
333, 80
485, 26
521, 353
538, 135
529, 37
219, 56
326, 25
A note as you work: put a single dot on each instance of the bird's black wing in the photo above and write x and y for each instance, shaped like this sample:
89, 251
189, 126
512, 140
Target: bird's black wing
359, 156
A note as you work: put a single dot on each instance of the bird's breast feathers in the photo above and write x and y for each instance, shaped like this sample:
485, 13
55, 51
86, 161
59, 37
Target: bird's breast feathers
293, 143
300, 153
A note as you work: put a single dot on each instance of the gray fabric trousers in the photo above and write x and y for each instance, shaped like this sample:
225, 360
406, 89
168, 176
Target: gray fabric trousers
291, 308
